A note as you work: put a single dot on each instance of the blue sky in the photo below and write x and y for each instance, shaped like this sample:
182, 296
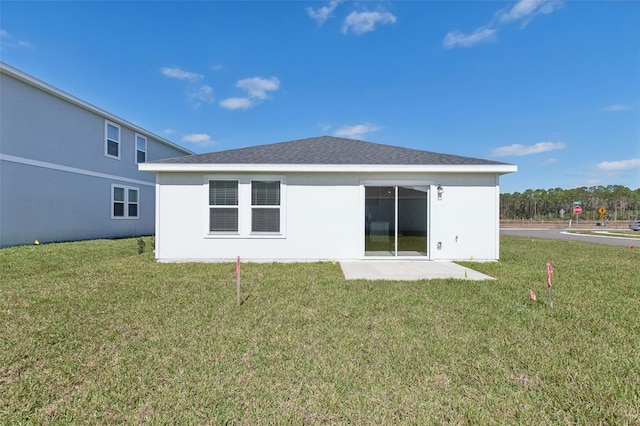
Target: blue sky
552, 86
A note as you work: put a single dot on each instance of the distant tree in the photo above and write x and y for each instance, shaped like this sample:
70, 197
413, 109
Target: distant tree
621, 203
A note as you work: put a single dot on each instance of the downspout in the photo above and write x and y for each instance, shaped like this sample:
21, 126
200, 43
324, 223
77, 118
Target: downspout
157, 219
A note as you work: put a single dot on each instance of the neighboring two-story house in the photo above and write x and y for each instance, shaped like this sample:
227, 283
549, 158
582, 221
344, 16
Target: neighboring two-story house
69, 170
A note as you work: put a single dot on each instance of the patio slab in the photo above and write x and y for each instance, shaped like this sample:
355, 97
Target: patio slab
408, 270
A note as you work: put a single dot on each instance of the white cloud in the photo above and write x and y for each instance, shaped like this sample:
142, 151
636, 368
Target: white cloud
356, 131
200, 94
180, 74
325, 127
458, 39
519, 150
523, 10
217, 67
236, 103
321, 14
609, 166
197, 92
548, 162
527, 9
169, 131
9, 41
199, 139
363, 22
617, 107
257, 87
257, 90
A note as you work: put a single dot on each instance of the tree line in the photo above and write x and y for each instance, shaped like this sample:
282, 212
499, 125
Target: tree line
620, 202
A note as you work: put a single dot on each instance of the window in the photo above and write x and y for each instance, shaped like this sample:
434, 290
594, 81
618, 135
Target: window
223, 206
112, 140
244, 206
124, 202
265, 206
141, 149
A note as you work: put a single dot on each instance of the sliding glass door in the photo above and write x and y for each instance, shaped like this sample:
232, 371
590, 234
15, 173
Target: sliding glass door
380, 220
395, 221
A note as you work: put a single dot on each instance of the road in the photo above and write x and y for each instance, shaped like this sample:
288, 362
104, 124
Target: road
558, 234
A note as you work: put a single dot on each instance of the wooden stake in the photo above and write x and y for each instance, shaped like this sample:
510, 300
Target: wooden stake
549, 273
238, 296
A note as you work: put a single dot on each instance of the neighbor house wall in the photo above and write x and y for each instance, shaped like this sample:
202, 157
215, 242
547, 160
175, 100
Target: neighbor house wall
52, 205
324, 217
55, 180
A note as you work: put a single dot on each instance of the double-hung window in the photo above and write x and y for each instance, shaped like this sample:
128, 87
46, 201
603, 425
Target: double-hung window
141, 149
223, 206
111, 140
124, 202
265, 206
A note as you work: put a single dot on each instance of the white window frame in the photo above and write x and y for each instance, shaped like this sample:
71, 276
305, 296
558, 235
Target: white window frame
267, 207
108, 123
144, 138
223, 206
245, 207
126, 202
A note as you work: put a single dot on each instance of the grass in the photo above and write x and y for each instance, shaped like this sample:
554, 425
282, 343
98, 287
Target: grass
93, 333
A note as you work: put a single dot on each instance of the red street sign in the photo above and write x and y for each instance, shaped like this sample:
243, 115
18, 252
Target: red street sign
577, 209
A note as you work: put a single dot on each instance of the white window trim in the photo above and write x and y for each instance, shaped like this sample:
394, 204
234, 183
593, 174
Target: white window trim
126, 201
245, 207
107, 123
135, 147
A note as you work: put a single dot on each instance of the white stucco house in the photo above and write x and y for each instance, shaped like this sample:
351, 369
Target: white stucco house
326, 198
68, 169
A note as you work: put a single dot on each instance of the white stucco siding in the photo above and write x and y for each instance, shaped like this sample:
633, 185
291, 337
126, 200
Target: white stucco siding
321, 221
464, 222
323, 218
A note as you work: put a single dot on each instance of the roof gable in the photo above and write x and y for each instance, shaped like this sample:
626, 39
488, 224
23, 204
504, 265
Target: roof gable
327, 150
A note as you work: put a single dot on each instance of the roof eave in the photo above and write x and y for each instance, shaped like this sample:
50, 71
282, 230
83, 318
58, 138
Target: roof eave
327, 168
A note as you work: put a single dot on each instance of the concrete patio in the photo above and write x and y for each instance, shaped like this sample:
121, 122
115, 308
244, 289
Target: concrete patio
408, 270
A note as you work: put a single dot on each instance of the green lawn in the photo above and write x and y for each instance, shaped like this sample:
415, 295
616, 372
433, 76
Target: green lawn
93, 333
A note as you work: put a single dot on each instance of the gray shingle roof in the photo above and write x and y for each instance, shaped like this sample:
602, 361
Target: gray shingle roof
327, 150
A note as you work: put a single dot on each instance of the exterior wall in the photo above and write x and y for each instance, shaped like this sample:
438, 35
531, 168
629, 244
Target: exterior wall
53, 205
465, 221
324, 218
55, 180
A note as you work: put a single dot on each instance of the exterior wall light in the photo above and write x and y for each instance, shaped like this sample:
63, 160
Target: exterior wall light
440, 191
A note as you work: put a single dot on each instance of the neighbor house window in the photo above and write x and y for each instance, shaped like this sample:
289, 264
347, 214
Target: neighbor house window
265, 206
112, 140
141, 149
124, 202
223, 206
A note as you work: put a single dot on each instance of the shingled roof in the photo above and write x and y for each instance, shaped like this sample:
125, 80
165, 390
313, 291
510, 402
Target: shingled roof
327, 150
